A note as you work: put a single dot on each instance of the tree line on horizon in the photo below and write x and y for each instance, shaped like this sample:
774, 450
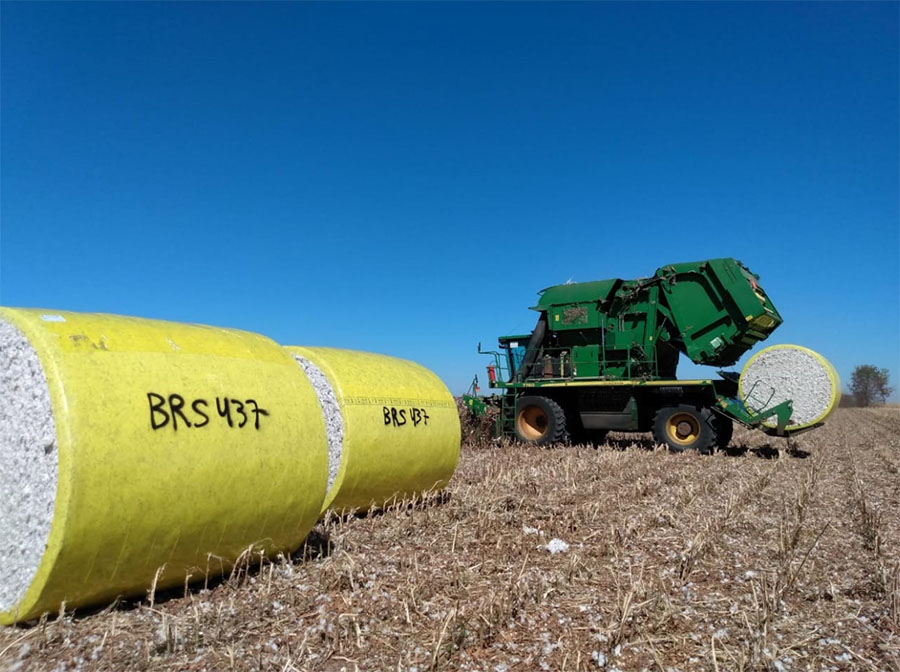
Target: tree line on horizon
869, 385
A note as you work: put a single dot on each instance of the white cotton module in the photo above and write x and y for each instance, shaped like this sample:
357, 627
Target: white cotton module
28, 464
783, 372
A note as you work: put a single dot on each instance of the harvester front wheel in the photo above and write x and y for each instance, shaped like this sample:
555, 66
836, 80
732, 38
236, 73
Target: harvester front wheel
539, 420
685, 427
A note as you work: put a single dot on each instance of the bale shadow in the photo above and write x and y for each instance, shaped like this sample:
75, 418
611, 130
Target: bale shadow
767, 451
422, 502
315, 547
623, 444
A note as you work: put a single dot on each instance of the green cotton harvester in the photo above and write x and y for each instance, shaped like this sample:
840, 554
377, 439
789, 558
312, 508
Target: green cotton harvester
603, 357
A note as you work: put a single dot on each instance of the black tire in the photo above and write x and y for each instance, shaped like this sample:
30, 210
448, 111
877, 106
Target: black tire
539, 421
685, 427
724, 431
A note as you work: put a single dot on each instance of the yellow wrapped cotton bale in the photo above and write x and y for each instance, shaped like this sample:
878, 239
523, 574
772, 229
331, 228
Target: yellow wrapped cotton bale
781, 372
393, 427
136, 451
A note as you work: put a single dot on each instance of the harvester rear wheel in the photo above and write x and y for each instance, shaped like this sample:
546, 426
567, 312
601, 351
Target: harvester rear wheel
685, 427
539, 420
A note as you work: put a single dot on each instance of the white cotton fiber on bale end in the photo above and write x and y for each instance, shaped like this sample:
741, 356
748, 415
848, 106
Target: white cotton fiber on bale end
28, 464
792, 372
331, 410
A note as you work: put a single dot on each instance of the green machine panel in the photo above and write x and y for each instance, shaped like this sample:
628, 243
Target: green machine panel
719, 307
586, 359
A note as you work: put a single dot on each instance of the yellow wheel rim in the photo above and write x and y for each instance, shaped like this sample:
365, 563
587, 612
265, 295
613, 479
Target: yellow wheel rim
682, 429
532, 423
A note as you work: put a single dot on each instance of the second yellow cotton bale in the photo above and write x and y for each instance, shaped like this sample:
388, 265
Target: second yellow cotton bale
393, 427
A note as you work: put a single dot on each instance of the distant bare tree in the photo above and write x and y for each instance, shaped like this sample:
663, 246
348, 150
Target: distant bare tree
869, 384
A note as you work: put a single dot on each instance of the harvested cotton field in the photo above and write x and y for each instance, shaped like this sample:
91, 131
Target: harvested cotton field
660, 562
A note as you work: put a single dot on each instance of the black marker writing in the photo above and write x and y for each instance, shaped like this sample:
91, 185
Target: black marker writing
175, 410
400, 417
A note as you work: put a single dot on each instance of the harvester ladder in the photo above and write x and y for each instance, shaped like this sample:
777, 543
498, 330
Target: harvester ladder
508, 414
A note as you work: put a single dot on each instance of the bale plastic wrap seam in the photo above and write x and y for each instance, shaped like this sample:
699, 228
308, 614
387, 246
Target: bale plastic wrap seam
137, 489
400, 433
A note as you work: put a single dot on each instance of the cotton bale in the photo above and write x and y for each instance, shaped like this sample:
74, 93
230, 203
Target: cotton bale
138, 452
393, 427
782, 372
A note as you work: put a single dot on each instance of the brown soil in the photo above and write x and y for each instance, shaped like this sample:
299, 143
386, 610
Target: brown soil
746, 560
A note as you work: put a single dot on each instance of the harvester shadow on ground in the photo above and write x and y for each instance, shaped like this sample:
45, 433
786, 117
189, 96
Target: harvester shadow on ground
766, 451
623, 444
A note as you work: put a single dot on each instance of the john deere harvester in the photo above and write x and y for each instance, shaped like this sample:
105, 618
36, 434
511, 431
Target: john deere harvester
603, 357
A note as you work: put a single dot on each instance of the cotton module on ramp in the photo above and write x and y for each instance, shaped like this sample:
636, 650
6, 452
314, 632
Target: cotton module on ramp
603, 356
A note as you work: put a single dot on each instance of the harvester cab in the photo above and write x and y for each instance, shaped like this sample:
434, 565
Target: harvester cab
509, 360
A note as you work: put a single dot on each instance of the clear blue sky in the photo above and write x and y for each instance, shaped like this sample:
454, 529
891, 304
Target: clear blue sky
403, 178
